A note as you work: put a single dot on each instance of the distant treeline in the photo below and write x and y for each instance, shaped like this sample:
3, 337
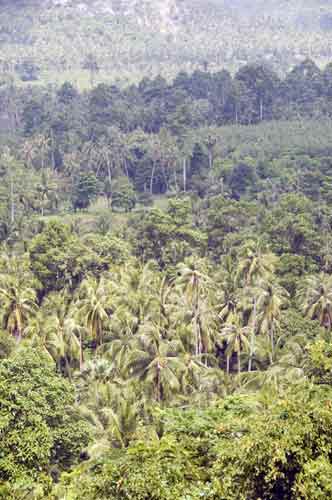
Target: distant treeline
156, 138
254, 94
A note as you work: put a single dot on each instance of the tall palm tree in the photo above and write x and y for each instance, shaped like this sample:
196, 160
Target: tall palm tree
136, 289
112, 408
271, 300
18, 303
94, 307
122, 339
195, 284
236, 337
256, 263
193, 369
61, 333
316, 299
156, 362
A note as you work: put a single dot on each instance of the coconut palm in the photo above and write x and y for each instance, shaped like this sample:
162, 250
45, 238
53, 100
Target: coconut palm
110, 406
229, 296
193, 369
236, 337
256, 262
195, 285
94, 307
61, 334
18, 302
136, 289
315, 298
155, 362
122, 339
272, 298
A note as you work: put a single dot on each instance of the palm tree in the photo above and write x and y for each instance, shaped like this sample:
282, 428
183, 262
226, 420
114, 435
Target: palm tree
256, 264
155, 362
136, 290
228, 292
195, 285
61, 334
193, 369
271, 299
236, 337
18, 303
110, 406
316, 299
122, 338
94, 307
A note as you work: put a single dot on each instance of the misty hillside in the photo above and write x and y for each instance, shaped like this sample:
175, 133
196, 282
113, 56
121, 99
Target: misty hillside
55, 40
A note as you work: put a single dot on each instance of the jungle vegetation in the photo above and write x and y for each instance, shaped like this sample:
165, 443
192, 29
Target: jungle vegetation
166, 288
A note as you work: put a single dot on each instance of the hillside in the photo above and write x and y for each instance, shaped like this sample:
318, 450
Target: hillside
108, 40
165, 250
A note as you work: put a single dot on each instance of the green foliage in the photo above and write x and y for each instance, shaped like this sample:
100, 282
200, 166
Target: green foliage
320, 362
190, 333
274, 451
40, 427
123, 195
85, 191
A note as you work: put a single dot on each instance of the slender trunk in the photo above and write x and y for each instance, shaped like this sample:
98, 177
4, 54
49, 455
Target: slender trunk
239, 363
158, 383
252, 339
261, 109
184, 175
210, 159
126, 168
12, 203
272, 345
196, 336
81, 353
109, 173
152, 177
227, 364
52, 153
176, 180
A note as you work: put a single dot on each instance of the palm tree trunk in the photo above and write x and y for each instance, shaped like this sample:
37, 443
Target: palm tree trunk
272, 345
12, 203
126, 168
252, 339
261, 109
158, 395
152, 177
81, 353
176, 180
109, 173
184, 175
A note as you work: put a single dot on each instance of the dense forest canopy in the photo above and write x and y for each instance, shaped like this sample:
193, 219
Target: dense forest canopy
165, 250
165, 287
50, 41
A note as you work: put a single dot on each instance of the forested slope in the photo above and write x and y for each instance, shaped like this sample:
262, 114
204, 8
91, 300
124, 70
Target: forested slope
58, 40
165, 288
